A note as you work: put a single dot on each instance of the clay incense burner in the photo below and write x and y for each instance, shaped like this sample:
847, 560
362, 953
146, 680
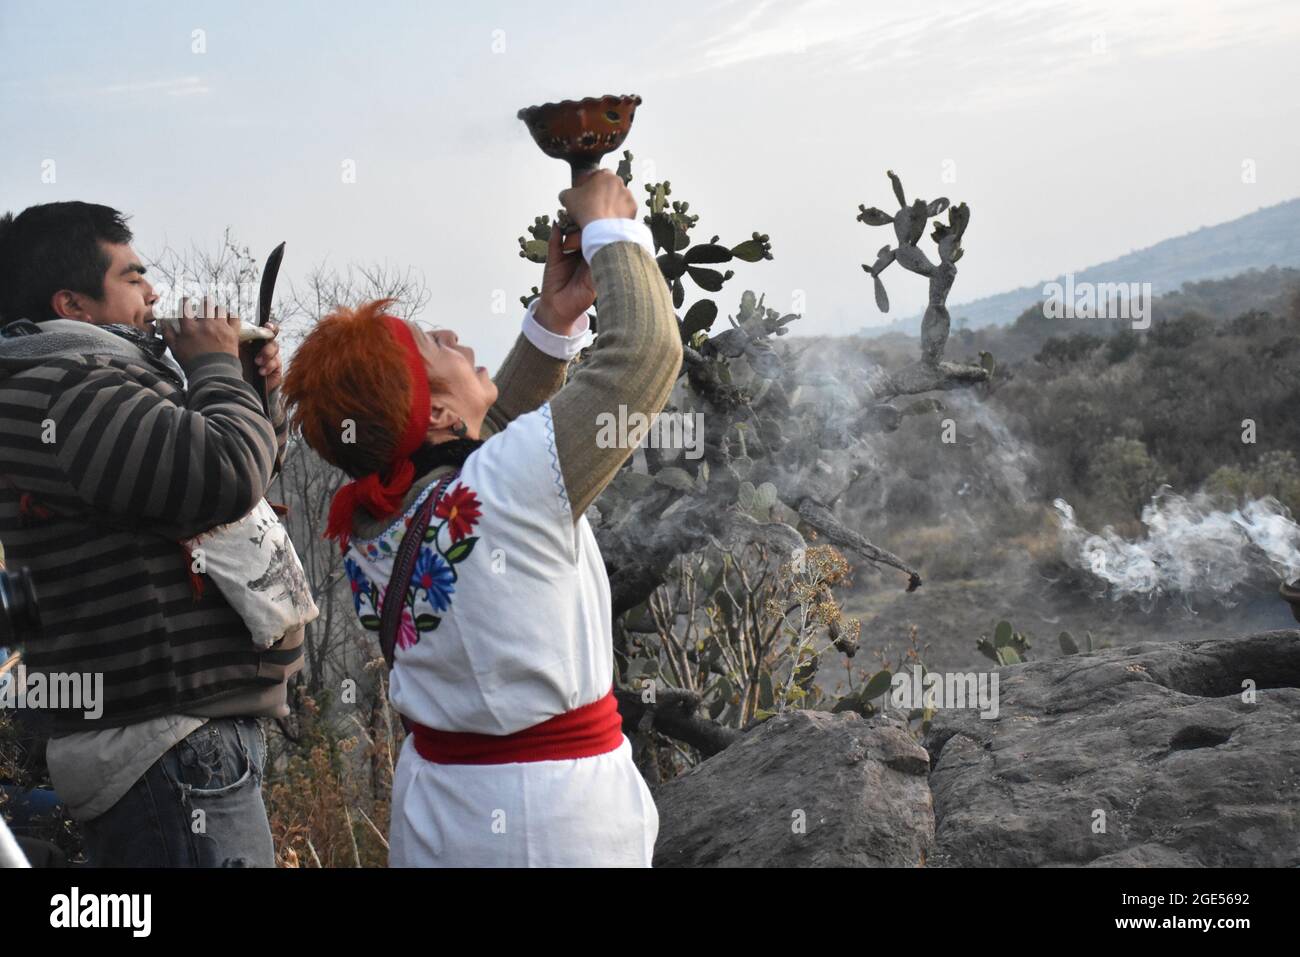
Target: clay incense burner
580, 132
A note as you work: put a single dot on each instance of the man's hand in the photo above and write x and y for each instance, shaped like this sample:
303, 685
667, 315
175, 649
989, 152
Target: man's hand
567, 289
268, 360
216, 331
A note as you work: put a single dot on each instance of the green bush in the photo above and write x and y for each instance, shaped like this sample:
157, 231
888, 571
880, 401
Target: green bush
1122, 345
1124, 476
1065, 351
1274, 473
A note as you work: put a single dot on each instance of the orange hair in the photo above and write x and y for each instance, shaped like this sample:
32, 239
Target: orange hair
351, 366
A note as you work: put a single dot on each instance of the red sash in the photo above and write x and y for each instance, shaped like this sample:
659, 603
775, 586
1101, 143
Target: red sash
584, 732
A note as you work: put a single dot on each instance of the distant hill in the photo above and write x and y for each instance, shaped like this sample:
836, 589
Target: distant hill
1267, 237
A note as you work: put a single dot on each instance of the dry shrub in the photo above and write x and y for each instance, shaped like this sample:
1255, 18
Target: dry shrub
328, 789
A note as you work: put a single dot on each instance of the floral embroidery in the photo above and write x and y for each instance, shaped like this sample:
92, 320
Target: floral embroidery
406, 633
433, 583
461, 510
365, 597
436, 577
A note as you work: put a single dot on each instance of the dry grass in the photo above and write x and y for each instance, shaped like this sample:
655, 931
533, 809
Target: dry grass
328, 794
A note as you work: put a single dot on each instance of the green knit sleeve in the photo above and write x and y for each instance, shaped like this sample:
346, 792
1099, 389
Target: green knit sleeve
634, 362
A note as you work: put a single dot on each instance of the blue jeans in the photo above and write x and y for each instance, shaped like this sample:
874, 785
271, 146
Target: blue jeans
199, 805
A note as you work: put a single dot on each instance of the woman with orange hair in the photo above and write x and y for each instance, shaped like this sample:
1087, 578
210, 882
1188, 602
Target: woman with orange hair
503, 657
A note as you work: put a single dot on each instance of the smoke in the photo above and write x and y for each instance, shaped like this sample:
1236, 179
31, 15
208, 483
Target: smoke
1005, 463
949, 466
1191, 550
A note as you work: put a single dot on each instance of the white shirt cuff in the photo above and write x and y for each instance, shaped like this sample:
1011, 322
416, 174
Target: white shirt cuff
602, 232
553, 344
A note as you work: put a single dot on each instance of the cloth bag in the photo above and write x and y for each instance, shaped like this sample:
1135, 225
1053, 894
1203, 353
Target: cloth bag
254, 565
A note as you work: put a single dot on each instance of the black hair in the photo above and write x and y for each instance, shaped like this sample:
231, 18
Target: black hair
431, 455
54, 246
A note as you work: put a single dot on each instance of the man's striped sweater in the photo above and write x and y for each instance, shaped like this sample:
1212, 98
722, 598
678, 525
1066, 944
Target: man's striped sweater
106, 462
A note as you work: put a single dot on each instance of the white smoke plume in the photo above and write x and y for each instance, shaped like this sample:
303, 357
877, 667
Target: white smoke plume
1191, 550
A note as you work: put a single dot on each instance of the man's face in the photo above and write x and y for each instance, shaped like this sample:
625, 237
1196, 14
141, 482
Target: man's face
470, 390
127, 298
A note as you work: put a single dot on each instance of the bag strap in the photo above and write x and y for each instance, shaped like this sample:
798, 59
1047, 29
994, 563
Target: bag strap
390, 614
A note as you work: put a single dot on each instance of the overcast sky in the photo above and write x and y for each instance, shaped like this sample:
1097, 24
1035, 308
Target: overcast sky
1075, 131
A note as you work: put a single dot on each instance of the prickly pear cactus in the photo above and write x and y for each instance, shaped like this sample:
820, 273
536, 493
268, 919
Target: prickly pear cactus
1007, 647
909, 227
670, 224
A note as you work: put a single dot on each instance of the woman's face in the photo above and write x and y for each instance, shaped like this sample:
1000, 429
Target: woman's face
469, 390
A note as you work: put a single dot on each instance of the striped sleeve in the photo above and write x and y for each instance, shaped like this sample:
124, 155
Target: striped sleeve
126, 450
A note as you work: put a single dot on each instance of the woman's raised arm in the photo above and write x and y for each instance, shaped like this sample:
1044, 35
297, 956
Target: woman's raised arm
532, 373
636, 359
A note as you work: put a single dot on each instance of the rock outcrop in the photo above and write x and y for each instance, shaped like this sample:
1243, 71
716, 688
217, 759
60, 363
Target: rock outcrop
1153, 755
802, 789
1162, 754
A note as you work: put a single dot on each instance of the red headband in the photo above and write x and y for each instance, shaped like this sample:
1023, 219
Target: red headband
383, 498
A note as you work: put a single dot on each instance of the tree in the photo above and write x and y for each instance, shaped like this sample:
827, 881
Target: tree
1065, 351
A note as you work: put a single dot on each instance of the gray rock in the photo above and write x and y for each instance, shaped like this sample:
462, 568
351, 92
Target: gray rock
860, 785
1147, 855
1157, 736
